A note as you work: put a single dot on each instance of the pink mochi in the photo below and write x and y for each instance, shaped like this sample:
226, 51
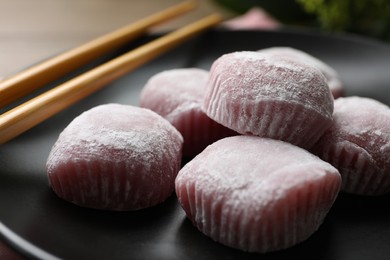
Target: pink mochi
177, 95
358, 145
115, 157
332, 77
257, 194
269, 96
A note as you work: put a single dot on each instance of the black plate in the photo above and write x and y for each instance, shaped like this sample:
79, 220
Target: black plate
356, 228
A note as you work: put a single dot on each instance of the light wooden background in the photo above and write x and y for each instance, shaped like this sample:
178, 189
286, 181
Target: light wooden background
32, 30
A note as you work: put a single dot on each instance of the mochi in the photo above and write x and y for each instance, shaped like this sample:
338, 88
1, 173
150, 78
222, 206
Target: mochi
269, 96
115, 157
358, 145
257, 194
177, 95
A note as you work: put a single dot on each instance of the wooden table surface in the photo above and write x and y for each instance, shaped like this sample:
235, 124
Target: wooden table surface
32, 30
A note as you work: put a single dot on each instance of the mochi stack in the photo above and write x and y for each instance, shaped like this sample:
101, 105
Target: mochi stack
268, 137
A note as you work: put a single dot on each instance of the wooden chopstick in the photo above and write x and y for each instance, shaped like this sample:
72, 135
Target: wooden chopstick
42, 107
37, 76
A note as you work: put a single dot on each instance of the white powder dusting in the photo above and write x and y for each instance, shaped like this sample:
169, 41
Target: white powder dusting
364, 122
243, 188
333, 79
116, 157
243, 85
251, 165
252, 77
170, 92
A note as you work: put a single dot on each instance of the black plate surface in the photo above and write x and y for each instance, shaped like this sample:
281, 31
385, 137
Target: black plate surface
356, 228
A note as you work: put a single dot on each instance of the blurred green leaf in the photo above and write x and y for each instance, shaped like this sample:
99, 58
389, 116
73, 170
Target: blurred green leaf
369, 17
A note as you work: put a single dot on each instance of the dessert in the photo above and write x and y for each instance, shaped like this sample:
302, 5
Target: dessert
177, 95
257, 194
269, 96
115, 157
358, 145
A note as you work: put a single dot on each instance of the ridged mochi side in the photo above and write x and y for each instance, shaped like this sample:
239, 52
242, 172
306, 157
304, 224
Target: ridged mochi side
115, 157
358, 145
257, 194
177, 95
269, 96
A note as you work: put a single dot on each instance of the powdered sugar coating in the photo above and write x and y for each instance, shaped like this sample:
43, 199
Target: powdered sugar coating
172, 91
333, 79
115, 157
269, 96
358, 144
257, 194
177, 95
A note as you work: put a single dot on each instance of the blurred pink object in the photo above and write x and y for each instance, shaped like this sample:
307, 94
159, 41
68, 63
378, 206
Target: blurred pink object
7, 253
255, 18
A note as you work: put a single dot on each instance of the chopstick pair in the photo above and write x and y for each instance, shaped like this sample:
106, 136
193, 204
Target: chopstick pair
25, 116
